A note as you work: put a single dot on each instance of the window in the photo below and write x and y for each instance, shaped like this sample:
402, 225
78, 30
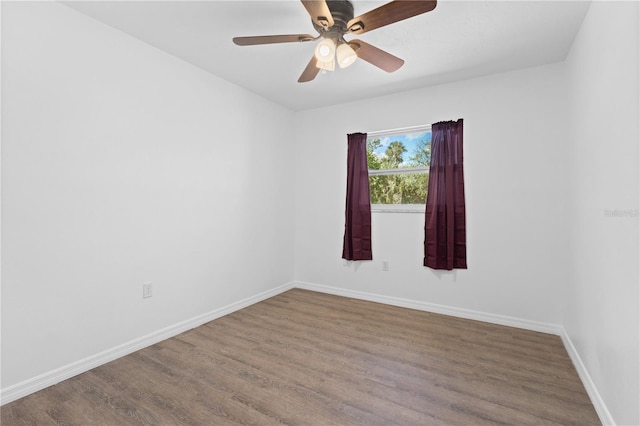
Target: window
399, 168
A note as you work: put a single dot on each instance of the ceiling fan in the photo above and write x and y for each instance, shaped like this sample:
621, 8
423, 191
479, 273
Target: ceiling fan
333, 19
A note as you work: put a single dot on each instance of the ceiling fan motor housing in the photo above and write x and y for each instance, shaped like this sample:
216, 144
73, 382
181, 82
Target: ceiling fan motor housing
342, 12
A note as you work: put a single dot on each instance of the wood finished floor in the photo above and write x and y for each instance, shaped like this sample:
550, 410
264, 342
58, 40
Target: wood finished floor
308, 358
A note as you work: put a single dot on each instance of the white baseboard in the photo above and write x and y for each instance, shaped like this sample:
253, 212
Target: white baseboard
435, 308
592, 391
50, 378
590, 387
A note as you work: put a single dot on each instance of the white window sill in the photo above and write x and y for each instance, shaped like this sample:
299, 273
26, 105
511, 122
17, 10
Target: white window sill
397, 208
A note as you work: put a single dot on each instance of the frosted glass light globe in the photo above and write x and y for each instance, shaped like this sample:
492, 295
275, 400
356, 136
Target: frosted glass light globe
325, 50
345, 55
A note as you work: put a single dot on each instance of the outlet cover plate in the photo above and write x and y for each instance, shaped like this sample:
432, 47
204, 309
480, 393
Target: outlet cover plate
147, 290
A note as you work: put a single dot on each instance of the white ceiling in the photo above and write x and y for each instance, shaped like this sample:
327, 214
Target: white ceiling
457, 40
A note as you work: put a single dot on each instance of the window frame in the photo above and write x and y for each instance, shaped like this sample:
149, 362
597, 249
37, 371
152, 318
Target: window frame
398, 208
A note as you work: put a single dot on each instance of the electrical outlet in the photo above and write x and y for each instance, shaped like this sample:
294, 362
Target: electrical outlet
385, 265
147, 290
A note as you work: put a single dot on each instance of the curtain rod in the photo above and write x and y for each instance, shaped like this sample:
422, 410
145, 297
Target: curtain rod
400, 130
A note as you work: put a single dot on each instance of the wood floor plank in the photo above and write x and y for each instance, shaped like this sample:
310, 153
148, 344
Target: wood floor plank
388, 356
307, 358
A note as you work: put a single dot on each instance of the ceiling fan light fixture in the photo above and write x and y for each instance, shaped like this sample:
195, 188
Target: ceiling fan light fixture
326, 66
325, 50
345, 55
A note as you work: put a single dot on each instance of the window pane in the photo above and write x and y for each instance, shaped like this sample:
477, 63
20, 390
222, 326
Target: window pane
399, 189
399, 151
403, 151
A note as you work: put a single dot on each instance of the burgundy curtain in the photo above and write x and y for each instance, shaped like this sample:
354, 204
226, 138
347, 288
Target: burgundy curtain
357, 226
445, 244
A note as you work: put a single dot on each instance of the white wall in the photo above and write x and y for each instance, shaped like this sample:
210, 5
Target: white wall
122, 165
515, 154
601, 305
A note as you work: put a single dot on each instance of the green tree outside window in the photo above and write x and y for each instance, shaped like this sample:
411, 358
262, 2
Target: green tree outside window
398, 168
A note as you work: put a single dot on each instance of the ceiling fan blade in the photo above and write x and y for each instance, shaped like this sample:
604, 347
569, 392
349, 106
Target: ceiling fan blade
310, 72
290, 38
378, 57
388, 14
319, 12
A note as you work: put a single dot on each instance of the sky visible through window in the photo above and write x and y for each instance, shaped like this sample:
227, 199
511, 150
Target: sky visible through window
410, 142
